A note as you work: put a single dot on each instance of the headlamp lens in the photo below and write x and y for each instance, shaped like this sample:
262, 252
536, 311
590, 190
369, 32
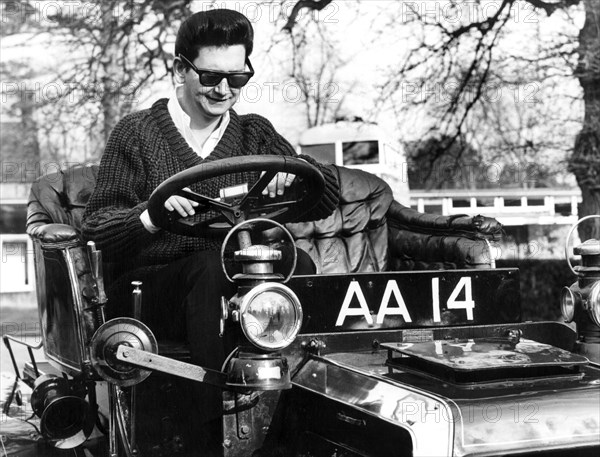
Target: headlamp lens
271, 316
594, 303
567, 304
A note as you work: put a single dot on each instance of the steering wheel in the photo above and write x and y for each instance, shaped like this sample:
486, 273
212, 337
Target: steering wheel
233, 211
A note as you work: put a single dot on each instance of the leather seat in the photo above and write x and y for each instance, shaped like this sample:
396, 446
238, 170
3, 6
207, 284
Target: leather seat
368, 232
371, 232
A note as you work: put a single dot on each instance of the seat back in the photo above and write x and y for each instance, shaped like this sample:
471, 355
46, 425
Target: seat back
65, 287
355, 237
60, 198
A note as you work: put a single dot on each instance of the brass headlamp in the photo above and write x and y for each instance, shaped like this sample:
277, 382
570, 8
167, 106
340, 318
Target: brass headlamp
580, 302
584, 295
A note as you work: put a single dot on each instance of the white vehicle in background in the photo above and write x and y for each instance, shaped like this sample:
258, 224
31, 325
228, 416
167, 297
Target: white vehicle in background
359, 144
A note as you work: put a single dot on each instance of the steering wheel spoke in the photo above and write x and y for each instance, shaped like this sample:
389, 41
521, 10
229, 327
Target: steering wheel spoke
274, 213
204, 200
256, 191
220, 222
267, 210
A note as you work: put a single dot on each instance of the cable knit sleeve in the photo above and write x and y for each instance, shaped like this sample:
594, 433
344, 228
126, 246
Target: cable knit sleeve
112, 215
331, 196
274, 143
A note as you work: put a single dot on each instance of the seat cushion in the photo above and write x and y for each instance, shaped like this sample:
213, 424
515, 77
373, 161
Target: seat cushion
354, 237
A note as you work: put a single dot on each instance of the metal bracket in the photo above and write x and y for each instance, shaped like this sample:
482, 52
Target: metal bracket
15, 392
313, 346
7, 339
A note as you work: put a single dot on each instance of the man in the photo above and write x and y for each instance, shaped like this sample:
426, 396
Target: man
183, 281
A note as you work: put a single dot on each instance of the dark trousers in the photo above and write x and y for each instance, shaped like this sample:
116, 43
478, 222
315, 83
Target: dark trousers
183, 299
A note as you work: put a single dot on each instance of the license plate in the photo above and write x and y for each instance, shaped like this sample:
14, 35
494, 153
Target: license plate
335, 303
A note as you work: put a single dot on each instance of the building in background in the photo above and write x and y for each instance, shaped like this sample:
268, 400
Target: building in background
358, 144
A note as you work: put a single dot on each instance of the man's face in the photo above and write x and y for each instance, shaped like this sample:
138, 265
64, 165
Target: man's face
208, 103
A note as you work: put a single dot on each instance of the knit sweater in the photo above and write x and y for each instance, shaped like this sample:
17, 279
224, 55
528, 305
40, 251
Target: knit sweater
144, 149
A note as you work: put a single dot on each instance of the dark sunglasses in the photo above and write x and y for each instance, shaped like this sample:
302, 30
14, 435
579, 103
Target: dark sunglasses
211, 78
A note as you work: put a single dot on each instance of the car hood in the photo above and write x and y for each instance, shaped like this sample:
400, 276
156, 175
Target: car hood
506, 417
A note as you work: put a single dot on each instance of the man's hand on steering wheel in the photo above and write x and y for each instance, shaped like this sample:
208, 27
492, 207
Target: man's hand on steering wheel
278, 184
182, 205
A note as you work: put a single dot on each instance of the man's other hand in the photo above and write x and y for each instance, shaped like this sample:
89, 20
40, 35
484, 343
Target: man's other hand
278, 184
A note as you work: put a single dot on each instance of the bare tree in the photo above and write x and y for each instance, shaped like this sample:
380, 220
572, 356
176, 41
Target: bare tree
113, 49
315, 65
123, 51
466, 52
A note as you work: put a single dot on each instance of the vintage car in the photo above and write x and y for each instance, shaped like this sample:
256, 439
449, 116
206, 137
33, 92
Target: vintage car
407, 342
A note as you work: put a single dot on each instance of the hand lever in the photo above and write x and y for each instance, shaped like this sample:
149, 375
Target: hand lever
95, 257
145, 359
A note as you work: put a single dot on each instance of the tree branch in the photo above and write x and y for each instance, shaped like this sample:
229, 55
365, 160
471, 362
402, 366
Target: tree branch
309, 4
550, 8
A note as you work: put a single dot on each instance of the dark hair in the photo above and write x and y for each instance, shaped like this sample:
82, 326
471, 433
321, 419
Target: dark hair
218, 27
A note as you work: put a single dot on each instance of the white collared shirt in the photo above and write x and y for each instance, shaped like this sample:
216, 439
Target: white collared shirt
183, 123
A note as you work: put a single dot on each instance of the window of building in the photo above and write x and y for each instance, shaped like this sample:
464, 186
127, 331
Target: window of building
13, 217
324, 153
15, 267
360, 152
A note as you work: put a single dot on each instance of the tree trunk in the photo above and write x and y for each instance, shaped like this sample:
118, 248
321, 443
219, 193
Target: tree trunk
585, 160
